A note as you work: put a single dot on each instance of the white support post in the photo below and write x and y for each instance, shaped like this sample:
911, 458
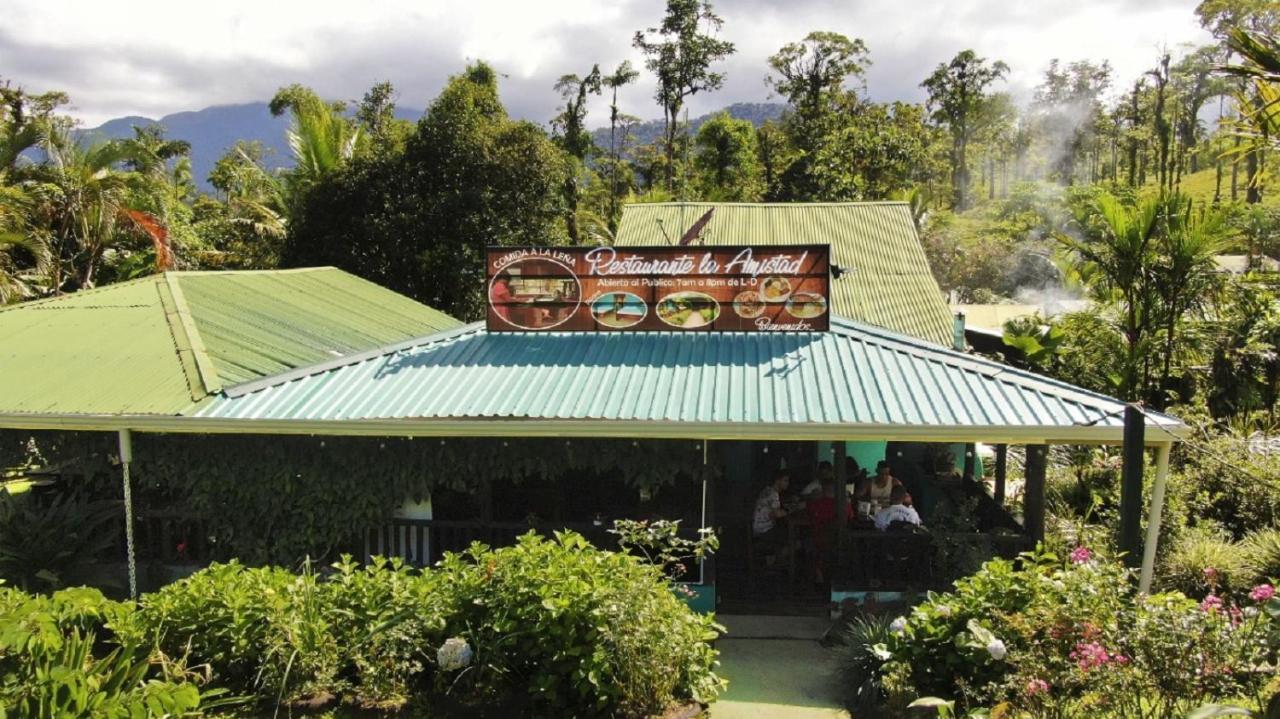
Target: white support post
1153, 518
126, 458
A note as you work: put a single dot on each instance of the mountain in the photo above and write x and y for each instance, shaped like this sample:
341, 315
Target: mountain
650, 131
213, 130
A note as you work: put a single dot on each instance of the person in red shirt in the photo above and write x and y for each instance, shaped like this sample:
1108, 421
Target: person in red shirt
502, 297
822, 522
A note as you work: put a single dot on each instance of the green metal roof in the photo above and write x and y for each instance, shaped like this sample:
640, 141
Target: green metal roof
890, 284
854, 380
155, 345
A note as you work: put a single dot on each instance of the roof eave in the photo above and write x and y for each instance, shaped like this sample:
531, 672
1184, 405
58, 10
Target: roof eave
1157, 434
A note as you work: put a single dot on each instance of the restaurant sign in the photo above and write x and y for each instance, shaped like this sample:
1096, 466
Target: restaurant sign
607, 289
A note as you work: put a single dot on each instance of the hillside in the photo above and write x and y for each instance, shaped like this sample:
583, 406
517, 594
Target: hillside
213, 130
647, 132
1200, 186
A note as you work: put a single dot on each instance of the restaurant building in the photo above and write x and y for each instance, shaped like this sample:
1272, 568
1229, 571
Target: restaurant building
734, 359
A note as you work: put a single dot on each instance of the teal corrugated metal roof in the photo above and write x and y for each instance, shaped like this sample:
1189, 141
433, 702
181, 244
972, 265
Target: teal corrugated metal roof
154, 345
854, 374
890, 284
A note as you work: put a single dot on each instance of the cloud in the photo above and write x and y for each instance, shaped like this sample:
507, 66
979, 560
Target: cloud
153, 57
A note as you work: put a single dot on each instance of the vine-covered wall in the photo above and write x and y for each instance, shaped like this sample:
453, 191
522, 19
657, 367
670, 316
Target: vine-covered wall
277, 498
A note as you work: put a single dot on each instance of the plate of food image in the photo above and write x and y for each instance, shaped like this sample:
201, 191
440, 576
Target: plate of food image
688, 310
806, 305
776, 289
748, 304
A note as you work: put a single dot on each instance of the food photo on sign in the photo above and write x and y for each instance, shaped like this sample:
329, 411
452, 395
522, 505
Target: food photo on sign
603, 289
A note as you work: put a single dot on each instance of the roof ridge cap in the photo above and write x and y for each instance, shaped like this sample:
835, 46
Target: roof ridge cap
181, 322
262, 383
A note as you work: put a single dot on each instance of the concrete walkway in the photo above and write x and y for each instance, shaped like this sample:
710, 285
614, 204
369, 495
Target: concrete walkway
776, 670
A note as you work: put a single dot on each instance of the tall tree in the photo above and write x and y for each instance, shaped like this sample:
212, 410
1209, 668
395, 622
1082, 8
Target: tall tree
571, 133
680, 52
819, 77
726, 160
622, 76
956, 90
419, 221
1068, 110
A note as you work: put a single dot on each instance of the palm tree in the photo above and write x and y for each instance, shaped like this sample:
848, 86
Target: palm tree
89, 204
320, 136
1116, 249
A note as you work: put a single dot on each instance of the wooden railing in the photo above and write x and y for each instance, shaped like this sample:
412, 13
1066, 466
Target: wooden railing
421, 542
899, 561
166, 536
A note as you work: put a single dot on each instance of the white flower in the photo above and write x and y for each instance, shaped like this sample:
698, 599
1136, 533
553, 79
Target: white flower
454, 654
899, 625
996, 649
944, 610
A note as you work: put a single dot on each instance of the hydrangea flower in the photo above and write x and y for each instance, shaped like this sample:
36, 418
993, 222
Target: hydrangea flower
454, 654
997, 649
1262, 593
1211, 604
1081, 555
1036, 687
899, 625
1089, 655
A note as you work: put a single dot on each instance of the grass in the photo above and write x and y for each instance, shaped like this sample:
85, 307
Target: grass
1200, 186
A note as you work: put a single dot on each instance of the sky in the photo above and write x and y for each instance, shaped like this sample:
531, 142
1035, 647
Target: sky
154, 57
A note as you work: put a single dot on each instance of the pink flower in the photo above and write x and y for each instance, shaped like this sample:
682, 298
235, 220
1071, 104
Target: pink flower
1088, 655
1211, 604
1210, 575
1037, 686
1081, 555
1262, 593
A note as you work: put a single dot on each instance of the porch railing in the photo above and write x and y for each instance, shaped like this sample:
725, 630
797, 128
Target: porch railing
903, 561
421, 542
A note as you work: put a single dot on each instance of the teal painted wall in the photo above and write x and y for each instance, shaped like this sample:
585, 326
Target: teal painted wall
703, 598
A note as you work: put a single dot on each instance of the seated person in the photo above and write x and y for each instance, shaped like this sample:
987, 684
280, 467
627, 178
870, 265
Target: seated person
877, 490
822, 519
765, 530
897, 511
814, 488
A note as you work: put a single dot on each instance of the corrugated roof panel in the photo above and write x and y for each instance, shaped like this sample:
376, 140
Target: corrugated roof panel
93, 352
854, 374
890, 284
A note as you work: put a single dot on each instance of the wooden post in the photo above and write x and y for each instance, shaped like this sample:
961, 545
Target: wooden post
1131, 486
1033, 491
708, 514
1002, 468
842, 502
486, 500
1153, 519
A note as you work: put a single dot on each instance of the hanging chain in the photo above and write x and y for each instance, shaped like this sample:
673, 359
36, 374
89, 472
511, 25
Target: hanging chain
128, 532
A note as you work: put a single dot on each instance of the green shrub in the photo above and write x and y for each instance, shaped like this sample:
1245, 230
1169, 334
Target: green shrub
860, 658
557, 625
59, 658
1184, 566
47, 545
1053, 638
575, 630
1262, 555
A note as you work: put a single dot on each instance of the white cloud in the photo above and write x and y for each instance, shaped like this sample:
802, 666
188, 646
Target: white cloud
151, 58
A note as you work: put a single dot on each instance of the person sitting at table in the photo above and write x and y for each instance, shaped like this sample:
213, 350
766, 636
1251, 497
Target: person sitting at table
878, 488
814, 488
897, 511
766, 530
822, 520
